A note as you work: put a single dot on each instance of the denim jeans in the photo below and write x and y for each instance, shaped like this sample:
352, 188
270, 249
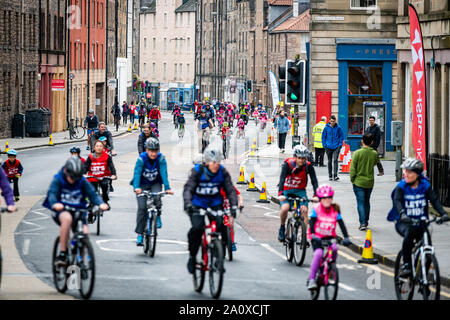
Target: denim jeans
363, 203
333, 157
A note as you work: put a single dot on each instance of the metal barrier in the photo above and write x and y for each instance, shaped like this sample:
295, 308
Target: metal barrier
439, 174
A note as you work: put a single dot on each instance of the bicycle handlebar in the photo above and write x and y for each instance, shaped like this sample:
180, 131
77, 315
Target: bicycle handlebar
151, 194
99, 178
300, 199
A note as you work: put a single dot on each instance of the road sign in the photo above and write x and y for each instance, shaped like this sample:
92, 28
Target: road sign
149, 95
58, 84
112, 83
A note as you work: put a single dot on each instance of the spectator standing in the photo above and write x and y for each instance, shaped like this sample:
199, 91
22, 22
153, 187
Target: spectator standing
332, 138
125, 112
318, 146
362, 177
375, 131
282, 125
115, 110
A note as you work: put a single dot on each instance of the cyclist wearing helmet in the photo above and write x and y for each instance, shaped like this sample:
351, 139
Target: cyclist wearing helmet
13, 169
150, 173
103, 132
155, 115
181, 120
322, 225
154, 130
293, 182
202, 190
75, 152
70, 188
147, 133
176, 113
91, 122
410, 203
203, 124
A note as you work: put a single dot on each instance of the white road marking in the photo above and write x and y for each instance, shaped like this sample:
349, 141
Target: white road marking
26, 247
251, 239
101, 243
268, 247
346, 287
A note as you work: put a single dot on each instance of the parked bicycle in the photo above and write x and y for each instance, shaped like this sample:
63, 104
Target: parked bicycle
95, 217
425, 271
211, 256
150, 231
75, 131
327, 275
295, 238
79, 273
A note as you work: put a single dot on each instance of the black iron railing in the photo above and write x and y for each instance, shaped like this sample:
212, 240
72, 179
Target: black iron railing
439, 174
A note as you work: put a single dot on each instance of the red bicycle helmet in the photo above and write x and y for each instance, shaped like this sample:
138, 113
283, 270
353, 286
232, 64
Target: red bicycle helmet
325, 191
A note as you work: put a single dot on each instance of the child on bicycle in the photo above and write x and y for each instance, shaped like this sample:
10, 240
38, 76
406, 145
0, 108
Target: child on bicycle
410, 203
154, 130
7, 192
322, 225
99, 165
241, 125
13, 169
150, 173
70, 188
75, 152
225, 130
181, 120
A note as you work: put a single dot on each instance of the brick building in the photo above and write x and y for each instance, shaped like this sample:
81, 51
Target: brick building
19, 67
52, 60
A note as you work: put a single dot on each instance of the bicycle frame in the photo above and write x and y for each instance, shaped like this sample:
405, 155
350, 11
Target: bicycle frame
208, 236
326, 260
424, 248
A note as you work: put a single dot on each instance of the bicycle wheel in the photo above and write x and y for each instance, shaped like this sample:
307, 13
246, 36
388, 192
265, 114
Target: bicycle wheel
78, 132
300, 244
181, 131
60, 275
86, 263
1, 265
404, 287
331, 288
152, 237
224, 148
216, 268
288, 242
199, 272
229, 244
98, 223
432, 290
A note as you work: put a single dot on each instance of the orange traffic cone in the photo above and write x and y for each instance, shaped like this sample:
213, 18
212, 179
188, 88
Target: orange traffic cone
343, 150
367, 254
263, 194
346, 164
241, 177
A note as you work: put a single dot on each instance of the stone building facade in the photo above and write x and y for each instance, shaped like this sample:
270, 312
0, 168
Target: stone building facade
19, 67
434, 19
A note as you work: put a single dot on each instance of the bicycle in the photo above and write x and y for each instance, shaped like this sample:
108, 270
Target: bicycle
93, 217
226, 144
150, 231
425, 272
230, 234
212, 259
205, 139
240, 134
75, 131
327, 275
80, 257
295, 237
181, 131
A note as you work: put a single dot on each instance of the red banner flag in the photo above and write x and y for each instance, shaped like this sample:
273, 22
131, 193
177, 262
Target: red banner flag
418, 87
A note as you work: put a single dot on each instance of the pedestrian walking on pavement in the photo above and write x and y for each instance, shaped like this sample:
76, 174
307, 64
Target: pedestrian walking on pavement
318, 146
362, 177
125, 112
332, 138
115, 110
282, 125
375, 131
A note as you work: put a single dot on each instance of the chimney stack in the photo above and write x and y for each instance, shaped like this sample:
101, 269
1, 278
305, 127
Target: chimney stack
295, 9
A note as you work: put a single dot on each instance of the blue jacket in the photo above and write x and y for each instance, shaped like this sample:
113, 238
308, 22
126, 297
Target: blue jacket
139, 168
282, 124
61, 191
332, 137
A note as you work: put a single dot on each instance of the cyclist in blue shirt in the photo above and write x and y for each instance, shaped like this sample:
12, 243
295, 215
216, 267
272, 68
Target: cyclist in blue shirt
202, 191
410, 203
70, 188
150, 173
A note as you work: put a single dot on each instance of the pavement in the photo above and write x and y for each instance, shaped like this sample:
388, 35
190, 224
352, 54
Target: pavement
57, 137
266, 166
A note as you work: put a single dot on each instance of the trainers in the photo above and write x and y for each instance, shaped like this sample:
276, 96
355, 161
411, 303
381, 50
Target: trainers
336, 178
380, 174
281, 233
282, 150
233, 246
405, 271
87, 148
158, 222
330, 178
140, 240
16, 199
312, 285
191, 264
61, 260
362, 227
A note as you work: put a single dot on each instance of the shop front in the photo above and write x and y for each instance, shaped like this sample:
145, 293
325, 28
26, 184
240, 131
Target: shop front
365, 75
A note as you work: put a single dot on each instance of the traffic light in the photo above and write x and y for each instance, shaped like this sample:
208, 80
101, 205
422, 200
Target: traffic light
249, 85
282, 81
295, 82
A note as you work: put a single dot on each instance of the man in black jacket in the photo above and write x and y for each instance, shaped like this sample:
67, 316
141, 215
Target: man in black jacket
146, 134
375, 131
103, 132
91, 123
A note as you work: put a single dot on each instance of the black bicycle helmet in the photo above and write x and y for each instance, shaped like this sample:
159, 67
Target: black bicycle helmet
75, 150
74, 168
152, 144
413, 164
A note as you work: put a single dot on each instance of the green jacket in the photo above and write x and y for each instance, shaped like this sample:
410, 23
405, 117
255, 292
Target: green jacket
361, 168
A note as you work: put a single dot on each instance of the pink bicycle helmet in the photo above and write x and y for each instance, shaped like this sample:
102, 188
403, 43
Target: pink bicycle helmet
325, 191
